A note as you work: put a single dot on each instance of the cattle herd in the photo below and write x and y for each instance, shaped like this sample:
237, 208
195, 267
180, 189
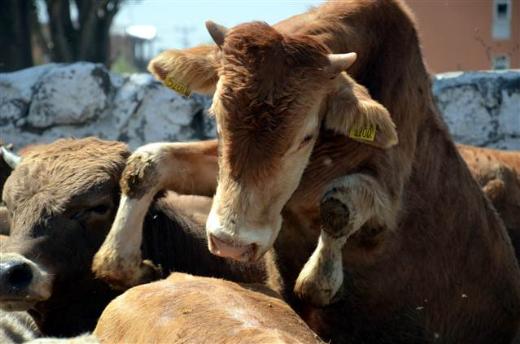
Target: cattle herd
333, 207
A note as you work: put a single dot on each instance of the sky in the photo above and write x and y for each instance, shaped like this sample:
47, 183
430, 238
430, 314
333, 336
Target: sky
171, 17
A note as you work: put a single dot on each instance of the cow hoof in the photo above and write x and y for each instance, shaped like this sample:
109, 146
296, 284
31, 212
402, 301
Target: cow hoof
314, 291
122, 274
322, 276
334, 212
140, 174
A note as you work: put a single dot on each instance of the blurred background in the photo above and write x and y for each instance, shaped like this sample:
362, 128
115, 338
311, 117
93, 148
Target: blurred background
457, 35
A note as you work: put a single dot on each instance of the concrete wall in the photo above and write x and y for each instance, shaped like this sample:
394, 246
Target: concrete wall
51, 101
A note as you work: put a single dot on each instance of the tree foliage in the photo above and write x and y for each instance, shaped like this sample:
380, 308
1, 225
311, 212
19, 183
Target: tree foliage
75, 30
15, 34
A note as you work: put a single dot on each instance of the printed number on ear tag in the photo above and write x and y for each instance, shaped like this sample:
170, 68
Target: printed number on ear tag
364, 134
179, 88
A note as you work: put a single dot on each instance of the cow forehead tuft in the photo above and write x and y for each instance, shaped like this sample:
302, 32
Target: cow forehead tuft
65, 168
257, 42
77, 149
266, 74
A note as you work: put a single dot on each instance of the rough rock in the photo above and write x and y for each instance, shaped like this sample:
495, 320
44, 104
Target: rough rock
47, 102
481, 108
44, 103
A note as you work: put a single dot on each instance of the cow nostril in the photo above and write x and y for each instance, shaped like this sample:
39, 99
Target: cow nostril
19, 276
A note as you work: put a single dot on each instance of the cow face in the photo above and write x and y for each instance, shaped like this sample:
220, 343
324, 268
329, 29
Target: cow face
271, 96
61, 200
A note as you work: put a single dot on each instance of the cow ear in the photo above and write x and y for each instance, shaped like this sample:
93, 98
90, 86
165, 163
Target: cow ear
217, 32
4, 221
352, 112
194, 69
494, 189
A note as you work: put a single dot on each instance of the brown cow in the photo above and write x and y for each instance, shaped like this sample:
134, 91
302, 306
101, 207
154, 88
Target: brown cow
446, 271
189, 309
478, 157
498, 173
61, 200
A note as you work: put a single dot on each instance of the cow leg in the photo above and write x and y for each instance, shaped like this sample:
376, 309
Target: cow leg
349, 203
181, 167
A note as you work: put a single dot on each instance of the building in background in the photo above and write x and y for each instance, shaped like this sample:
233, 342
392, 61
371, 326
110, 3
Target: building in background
132, 48
469, 34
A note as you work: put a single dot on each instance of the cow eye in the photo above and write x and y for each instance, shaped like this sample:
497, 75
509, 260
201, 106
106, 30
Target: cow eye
98, 210
306, 140
101, 209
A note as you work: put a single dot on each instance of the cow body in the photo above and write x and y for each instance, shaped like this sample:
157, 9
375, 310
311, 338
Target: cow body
189, 309
479, 158
446, 271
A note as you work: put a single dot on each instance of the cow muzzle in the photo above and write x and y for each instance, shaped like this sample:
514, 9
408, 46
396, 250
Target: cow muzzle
22, 283
229, 248
241, 244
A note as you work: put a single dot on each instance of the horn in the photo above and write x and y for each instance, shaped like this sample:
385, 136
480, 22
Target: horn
217, 32
341, 62
10, 158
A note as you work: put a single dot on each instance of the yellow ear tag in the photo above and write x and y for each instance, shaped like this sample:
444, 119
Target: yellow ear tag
367, 133
177, 87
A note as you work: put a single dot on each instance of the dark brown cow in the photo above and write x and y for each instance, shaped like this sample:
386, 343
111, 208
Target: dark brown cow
61, 201
189, 309
446, 271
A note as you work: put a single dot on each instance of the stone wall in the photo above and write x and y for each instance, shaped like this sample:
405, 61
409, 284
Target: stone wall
44, 103
481, 108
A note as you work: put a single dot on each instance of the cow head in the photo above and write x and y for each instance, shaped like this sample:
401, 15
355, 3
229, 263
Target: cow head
60, 202
273, 91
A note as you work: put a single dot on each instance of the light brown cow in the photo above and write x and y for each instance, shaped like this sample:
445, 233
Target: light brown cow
188, 309
446, 271
498, 173
478, 157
